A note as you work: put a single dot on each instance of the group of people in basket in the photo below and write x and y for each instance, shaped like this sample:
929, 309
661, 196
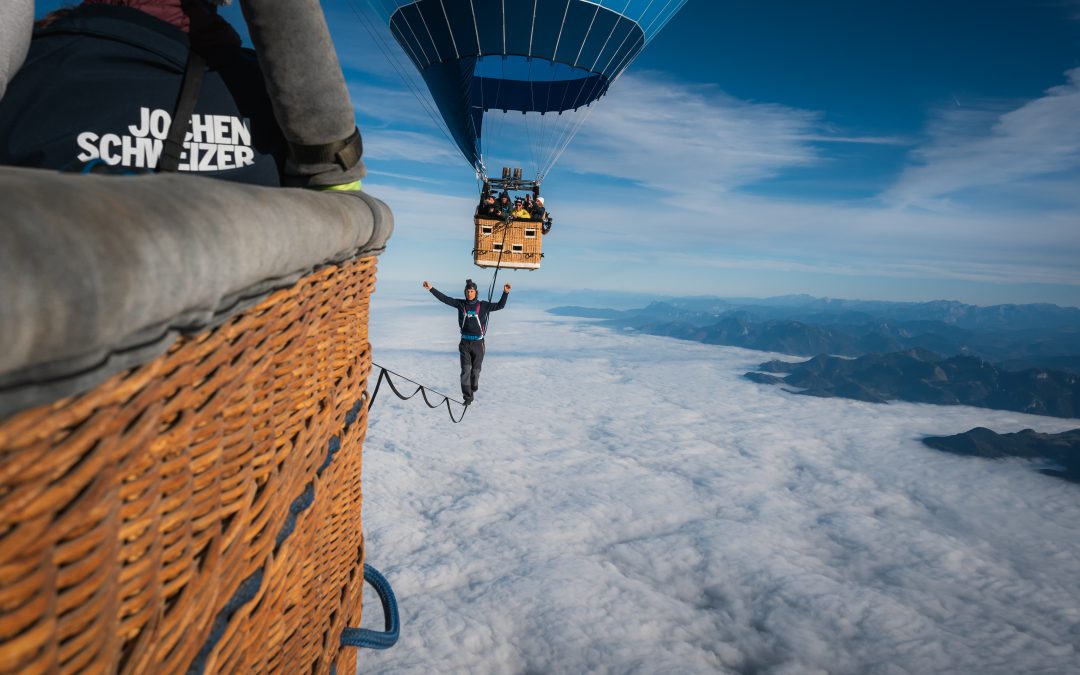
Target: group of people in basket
522, 208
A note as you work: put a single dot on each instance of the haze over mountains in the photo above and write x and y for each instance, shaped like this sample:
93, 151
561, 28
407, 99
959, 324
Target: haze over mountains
1011, 336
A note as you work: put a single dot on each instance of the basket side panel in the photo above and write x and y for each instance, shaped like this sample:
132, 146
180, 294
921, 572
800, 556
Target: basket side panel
134, 517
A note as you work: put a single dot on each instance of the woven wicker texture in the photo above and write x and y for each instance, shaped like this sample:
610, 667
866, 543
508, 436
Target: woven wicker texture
132, 515
520, 241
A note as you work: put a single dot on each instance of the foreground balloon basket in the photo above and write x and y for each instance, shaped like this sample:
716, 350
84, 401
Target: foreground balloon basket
516, 244
199, 512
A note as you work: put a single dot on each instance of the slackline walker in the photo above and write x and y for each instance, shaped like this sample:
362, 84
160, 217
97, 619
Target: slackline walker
472, 318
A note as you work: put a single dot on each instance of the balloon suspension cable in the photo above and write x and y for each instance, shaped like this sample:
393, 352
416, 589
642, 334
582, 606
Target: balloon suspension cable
383, 45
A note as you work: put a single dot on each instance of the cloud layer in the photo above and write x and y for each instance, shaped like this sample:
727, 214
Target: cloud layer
620, 503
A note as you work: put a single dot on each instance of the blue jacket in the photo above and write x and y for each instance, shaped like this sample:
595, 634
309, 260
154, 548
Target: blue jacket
100, 85
480, 309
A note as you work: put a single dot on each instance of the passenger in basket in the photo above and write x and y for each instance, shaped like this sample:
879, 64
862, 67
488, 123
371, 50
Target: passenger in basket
99, 91
520, 211
505, 207
472, 319
539, 212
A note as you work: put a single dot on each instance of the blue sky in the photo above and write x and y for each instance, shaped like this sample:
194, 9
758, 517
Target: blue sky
909, 150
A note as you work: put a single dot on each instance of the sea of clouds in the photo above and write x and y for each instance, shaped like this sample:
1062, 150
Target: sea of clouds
623, 503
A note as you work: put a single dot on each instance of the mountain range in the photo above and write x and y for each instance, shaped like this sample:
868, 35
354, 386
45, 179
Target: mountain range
921, 376
1060, 453
1013, 337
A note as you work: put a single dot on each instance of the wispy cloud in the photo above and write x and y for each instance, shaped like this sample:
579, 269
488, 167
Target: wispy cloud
426, 215
390, 145
905, 268
1070, 7
988, 148
394, 107
687, 139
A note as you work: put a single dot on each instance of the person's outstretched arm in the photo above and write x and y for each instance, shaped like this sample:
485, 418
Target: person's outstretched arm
445, 299
502, 301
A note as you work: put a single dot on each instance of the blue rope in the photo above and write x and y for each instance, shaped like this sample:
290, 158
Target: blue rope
245, 592
250, 586
370, 639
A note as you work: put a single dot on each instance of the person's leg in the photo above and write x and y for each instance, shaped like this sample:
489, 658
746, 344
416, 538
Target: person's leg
466, 369
477, 361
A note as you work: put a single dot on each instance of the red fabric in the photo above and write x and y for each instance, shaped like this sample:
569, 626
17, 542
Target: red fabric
204, 27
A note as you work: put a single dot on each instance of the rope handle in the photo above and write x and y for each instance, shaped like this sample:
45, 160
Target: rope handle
373, 639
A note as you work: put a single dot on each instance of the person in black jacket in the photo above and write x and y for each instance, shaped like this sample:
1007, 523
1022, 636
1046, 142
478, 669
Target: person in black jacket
472, 319
100, 87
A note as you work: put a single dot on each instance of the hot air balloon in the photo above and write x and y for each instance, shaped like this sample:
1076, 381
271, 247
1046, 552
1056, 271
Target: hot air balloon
515, 80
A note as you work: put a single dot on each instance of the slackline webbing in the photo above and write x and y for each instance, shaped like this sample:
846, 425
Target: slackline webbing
385, 373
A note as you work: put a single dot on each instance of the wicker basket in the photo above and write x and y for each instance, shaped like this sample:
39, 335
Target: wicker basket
515, 245
199, 513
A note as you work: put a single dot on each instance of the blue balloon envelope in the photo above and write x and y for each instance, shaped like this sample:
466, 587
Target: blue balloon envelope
541, 58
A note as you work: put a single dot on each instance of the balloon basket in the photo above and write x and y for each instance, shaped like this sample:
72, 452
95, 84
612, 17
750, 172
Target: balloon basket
514, 244
199, 512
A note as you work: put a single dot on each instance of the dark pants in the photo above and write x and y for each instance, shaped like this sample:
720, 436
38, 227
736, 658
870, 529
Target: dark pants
472, 357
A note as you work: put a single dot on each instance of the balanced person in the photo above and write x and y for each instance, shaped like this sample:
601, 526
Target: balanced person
473, 316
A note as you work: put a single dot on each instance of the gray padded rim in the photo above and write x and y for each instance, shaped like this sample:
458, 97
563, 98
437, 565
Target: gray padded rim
99, 273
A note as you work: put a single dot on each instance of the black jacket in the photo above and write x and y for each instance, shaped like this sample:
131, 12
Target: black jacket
471, 328
100, 86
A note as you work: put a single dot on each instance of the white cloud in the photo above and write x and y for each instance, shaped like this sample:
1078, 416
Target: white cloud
864, 239
424, 214
619, 503
362, 40
393, 106
1070, 7
984, 148
960, 270
689, 139
393, 145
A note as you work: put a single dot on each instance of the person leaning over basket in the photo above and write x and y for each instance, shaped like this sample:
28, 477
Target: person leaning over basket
539, 212
102, 83
472, 319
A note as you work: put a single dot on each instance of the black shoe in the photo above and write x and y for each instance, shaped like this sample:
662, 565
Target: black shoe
468, 400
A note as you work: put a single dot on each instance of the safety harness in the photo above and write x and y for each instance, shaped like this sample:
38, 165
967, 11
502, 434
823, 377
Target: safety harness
474, 313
